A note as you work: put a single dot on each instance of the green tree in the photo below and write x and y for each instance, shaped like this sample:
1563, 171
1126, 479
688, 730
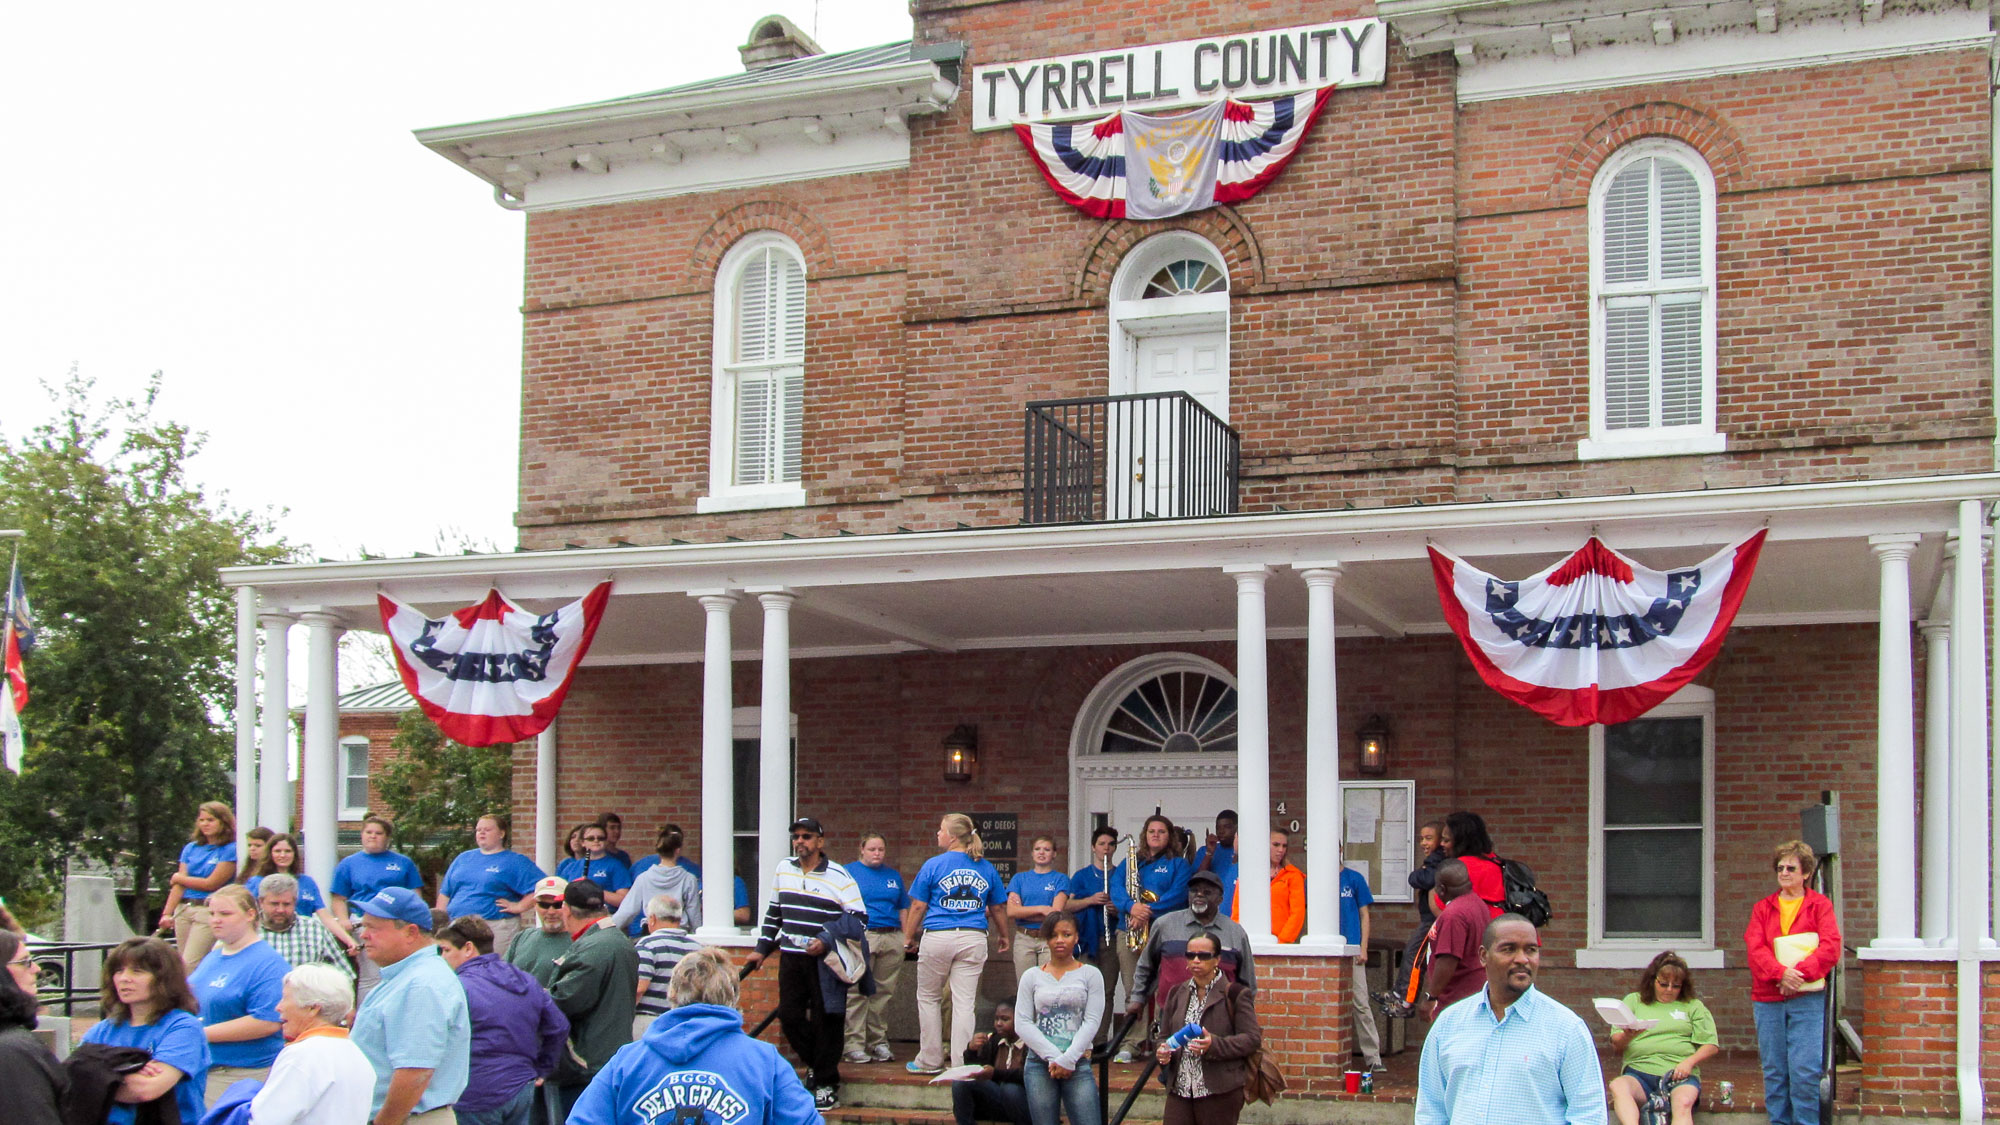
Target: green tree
436, 788
131, 682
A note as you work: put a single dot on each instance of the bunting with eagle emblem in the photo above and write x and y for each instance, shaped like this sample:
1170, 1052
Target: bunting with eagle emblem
1133, 165
1596, 638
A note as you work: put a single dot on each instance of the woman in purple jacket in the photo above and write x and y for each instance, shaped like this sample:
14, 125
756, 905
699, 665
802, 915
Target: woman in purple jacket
517, 1031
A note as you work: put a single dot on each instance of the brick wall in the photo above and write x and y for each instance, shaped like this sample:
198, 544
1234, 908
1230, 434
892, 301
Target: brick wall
1910, 1032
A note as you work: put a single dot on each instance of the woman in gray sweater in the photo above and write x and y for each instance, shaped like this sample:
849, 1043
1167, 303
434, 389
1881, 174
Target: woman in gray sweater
663, 878
1056, 1012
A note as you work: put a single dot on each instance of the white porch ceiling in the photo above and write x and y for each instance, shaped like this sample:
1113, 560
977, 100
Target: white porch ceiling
1161, 582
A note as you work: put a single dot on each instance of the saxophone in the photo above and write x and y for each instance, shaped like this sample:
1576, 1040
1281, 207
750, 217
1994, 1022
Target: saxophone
1135, 939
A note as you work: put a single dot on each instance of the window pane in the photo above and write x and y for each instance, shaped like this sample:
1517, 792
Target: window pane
792, 390
770, 308
753, 429
1625, 222
1680, 221
744, 753
1174, 713
1627, 367
1653, 772
1652, 883
1680, 364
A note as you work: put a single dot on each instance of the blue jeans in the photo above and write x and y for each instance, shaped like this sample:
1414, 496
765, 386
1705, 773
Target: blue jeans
515, 1112
1791, 1041
1077, 1093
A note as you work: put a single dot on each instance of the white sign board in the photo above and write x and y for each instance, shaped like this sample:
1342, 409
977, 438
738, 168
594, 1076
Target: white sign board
1263, 64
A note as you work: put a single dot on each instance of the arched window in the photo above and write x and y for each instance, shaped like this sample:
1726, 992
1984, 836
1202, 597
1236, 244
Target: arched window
1170, 320
759, 393
1652, 304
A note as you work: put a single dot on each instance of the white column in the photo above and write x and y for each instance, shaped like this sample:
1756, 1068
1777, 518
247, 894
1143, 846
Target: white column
1985, 747
1253, 753
246, 714
1322, 762
718, 780
546, 831
1936, 861
1968, 728
1895, 750
321, 769
774, 745
274, 781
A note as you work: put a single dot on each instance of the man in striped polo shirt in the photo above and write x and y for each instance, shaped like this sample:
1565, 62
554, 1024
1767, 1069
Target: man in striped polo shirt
815, 904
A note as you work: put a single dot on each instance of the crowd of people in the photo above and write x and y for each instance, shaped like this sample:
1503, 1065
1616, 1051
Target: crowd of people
513, 997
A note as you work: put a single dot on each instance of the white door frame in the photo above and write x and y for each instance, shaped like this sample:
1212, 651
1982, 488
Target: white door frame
1092, 773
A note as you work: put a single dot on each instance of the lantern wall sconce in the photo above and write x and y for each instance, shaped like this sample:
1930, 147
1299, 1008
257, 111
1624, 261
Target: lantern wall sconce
1374, 741
961, 752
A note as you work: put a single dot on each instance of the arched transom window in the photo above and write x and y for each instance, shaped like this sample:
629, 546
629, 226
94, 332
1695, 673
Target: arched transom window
1182, 711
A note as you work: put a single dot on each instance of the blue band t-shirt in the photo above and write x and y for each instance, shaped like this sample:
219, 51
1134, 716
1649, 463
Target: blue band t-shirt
475, 879
362, 874
1354, 895
569, 870
249, 982
175, 1039
1037, 889
1085, 882
883, 891
956, 889
607, 871
201, 861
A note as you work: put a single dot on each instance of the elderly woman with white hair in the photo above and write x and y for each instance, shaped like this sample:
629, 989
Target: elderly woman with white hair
696, 1055
320, 1078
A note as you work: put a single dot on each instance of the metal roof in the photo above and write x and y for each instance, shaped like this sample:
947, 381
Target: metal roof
391, 696
860, 59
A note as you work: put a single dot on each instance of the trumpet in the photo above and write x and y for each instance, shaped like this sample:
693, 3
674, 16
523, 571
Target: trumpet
1135, 939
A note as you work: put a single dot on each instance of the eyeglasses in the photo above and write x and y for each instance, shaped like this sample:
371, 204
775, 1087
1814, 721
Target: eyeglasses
1193, 956
805, 835
23, 959
1789, 867
593, 839
549, 905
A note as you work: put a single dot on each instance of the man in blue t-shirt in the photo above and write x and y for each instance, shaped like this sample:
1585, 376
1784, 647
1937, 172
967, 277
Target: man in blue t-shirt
886, 896
1218, 854
611, 874
1355, 899
372, 869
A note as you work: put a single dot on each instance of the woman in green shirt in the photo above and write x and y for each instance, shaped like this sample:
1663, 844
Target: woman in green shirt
1668, 1053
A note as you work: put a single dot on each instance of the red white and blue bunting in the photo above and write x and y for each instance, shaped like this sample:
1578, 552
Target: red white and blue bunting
1596, 638
493, 672
1132, 165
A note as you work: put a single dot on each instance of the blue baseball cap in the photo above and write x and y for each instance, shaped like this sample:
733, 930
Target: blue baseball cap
398, 904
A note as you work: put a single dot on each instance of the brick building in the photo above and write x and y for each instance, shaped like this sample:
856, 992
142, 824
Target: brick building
881, 439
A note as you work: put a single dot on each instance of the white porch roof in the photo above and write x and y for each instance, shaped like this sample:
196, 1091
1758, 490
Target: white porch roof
1161, 581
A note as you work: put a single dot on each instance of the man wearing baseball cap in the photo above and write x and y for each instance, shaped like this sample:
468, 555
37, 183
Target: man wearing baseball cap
596, 986
414, 1027
814, 903
536, 949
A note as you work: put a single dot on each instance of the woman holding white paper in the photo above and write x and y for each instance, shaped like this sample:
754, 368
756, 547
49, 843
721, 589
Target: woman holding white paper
1793, 942
1670, 1051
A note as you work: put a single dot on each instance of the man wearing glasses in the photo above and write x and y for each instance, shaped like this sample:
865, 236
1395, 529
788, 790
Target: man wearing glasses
537, 950
815, 904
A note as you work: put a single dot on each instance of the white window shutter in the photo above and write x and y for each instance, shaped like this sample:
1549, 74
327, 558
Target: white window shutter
1626, 233
1627, 366
1680, 222
766, 360
792, 409
753, 429
1680, 363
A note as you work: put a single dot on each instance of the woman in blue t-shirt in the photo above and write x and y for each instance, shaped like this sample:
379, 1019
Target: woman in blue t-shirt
146, 1003
951, 900
208, 863
490, 881
282, 854
1032, 896
238, 986
571, 866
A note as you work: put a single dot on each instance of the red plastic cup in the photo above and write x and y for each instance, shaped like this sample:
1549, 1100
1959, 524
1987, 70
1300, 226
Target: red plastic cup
1353, 1081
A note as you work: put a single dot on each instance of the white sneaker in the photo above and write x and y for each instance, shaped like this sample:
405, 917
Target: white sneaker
882, 1054
1124, 1055
858, 1057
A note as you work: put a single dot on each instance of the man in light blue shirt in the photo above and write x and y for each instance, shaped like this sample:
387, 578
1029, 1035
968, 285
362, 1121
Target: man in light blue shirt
1509, 1053
414, 1026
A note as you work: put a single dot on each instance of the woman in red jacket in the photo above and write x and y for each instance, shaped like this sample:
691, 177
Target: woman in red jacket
1466, 840
1793, 943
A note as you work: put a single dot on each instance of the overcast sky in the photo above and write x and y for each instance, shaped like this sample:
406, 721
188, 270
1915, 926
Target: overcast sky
229, 193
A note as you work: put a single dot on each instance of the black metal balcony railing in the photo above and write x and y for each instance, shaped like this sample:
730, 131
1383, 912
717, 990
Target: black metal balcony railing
1127, 457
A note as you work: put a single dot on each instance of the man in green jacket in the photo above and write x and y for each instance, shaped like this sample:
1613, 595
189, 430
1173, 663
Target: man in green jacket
596, 985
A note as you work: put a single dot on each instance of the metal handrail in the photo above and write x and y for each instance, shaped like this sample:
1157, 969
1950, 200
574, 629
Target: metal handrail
1159, 455
66, 994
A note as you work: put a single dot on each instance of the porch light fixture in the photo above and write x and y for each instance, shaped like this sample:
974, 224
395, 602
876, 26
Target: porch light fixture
1374, 740
961, 752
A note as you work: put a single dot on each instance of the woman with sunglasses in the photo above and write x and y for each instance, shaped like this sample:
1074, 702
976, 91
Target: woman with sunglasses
1793, 942
1669, 1053
1206, 1075
32, 1082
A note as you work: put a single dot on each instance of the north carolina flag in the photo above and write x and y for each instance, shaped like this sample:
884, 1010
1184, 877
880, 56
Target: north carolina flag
1596, 638
493, 672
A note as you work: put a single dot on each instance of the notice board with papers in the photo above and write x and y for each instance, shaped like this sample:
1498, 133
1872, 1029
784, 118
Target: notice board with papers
1378, 835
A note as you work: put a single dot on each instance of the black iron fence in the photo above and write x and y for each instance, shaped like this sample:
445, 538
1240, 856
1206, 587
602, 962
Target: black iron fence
57, 986
1127, 457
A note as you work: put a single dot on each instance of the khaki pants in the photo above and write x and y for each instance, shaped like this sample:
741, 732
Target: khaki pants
221, 1078
504, 928
1029, 951
954, 958
442, 1115
191, 932
868, 1016
1367, 1036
